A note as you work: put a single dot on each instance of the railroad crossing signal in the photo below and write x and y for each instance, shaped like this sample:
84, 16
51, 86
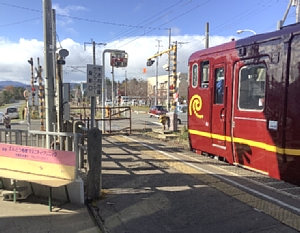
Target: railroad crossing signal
118, 59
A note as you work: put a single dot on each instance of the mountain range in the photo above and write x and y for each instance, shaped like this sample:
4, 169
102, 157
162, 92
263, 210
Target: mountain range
12, 83
19, 84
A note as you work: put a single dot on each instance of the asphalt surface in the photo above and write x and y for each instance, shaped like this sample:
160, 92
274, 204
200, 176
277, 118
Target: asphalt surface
172, 190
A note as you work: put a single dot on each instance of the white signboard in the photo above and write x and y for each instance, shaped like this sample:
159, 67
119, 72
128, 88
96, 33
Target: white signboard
94, 80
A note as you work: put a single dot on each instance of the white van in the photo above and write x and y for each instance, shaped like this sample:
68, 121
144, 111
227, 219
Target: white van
12, 112
124, 100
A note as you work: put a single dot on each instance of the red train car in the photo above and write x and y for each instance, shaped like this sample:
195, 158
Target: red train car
244, 102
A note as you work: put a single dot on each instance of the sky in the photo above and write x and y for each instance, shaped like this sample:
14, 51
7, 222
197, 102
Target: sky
140, 27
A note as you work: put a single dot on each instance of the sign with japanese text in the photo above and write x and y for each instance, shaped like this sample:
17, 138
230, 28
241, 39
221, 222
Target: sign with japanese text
36, 161
94, 80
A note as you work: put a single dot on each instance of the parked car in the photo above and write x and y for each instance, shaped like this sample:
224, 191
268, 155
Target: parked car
1, 117
157, 110
134, 102
142, 102
181, 111
108, 103
12, 112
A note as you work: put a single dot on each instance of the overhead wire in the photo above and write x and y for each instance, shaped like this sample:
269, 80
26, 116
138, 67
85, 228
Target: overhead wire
151, 17
178, 16
221, 27
156, 19
237, 21
20, 22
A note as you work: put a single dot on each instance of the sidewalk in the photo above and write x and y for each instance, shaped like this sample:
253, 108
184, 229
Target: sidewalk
152, 191
32, 215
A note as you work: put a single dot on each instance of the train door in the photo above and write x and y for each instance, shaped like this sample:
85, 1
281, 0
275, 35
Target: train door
218, 121
249, 124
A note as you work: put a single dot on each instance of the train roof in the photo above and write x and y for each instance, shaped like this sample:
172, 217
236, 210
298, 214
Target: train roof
293, 28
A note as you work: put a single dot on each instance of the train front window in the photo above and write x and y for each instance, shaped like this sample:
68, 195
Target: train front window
252, 82
204, 74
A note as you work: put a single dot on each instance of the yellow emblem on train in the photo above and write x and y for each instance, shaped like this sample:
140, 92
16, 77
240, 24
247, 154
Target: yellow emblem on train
195, 106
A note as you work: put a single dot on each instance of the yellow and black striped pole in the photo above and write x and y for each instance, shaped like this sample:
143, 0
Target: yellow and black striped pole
174, 47
41, 94
32, 82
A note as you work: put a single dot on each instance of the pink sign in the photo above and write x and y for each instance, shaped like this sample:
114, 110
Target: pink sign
38, 154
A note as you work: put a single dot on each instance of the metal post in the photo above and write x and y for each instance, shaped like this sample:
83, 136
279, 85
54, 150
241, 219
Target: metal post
59, 95
93, 97
103, 91
156, 83
112, 86
103, 84
125, 82
49, 77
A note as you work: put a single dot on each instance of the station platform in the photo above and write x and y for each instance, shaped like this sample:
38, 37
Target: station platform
151, 186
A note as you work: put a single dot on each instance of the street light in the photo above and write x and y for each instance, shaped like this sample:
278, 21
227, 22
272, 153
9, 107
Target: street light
245, 30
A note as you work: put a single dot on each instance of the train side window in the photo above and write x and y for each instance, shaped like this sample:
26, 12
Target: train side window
219, 85
195, 75
252, 82
204, 74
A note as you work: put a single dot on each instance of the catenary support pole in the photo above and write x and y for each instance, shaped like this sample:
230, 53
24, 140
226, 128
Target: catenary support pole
49, 76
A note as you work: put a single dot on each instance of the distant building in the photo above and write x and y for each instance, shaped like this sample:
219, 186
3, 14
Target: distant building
83, 87
182, 85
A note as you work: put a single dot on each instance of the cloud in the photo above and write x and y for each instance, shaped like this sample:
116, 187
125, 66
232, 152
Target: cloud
137, 7
14, 65
66, 11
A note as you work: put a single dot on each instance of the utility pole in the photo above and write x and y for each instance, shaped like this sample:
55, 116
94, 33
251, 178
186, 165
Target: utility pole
156, 80
93, 99
58, 79
169, 71
297, 4
49, 70
207, 35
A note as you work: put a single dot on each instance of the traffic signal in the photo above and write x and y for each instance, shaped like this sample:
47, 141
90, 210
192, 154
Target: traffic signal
150, 62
